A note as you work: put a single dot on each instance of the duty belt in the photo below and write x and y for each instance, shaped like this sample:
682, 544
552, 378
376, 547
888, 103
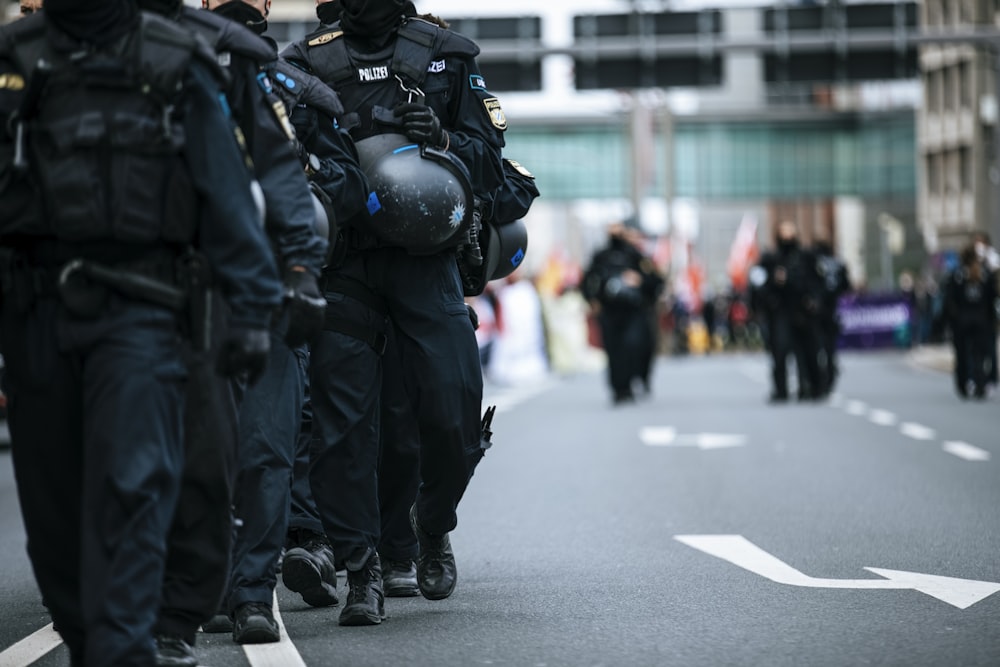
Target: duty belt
375, 339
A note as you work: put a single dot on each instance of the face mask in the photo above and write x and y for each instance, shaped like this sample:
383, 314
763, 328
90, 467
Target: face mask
328, 12
241, 12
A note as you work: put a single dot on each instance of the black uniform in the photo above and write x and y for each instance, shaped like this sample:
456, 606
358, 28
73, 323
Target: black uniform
625, 312
834, 283
200, 542
969, 297
372, 285
100, 347
788, 301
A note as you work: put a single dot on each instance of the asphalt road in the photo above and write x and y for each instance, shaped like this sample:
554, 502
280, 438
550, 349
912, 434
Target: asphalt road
568, 548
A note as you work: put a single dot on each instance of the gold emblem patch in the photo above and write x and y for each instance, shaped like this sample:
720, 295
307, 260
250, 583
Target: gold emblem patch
495, 113
11, 82
519, 169
325, 37
282, 114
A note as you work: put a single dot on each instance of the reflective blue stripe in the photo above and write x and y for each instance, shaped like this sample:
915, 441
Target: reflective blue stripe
408, 147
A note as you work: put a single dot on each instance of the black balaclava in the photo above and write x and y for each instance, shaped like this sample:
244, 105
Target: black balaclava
93, 21
162, 7
241, 12
373, 18
328, 13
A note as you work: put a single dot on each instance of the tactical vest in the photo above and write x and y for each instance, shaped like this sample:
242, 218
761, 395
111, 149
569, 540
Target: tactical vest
419, 43
104, 140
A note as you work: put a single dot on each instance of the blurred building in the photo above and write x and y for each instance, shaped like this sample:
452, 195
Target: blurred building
959, 168
696, 114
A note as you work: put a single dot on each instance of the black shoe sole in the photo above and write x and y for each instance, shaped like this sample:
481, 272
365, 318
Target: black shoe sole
355, 618
407, 590
257, 635
300, 576
219, 624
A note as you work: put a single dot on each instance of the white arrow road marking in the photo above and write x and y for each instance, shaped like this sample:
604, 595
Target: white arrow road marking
667, 436
964, 450
856, 408
739, 551
882, 418
917, 431
280, 654
31, 648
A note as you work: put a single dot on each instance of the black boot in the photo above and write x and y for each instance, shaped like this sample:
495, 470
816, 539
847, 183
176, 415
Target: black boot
253, 623
173, 651
437, 573
309, 571
399, 578
365, 603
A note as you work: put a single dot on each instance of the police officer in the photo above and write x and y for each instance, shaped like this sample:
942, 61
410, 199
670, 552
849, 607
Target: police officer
328, 157
970, 293
834, 283
392, 82
200, 544
622, 285
92, 297
786, 296
270, 413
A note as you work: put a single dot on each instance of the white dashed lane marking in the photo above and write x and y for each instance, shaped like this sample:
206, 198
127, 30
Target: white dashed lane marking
882, 418
914, 430
964, 450
917, 431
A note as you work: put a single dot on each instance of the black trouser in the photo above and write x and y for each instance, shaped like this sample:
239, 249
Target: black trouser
95, 413
399, 459
201, 538
972, 355
626, 335
304, 515
829, 331
270, 416
443, 380
787, 336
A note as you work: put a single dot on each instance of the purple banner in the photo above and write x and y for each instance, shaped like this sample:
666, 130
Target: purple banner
874, 320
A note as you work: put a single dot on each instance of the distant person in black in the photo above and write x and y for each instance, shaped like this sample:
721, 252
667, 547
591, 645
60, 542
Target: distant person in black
786, 298
969, 297
622, 286
834, 283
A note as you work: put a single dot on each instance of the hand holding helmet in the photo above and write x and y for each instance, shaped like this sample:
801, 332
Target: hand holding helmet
421, 124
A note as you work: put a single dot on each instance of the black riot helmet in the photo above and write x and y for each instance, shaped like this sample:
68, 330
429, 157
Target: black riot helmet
421, 197
504, 247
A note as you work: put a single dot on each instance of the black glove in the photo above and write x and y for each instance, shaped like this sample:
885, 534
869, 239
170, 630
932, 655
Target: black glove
306, 307
244, 351
421, 124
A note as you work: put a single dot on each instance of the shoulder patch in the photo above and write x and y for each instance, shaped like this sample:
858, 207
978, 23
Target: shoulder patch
477, 82
436, 66
325, 37
519, 169
495, 113
264, 81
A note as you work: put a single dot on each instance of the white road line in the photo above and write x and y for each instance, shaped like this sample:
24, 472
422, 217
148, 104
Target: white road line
280, 654
917, 431
964, 450
856, 408
31, 648
882, 418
